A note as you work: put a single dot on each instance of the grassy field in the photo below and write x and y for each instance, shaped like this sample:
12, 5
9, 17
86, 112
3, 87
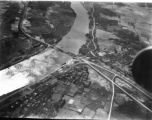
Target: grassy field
62, 21
88, 5
39, 24
139, 16
50, 20
9, 12
103, 39
16, 49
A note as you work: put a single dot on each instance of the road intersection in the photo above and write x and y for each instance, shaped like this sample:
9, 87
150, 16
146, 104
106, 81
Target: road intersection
96, 67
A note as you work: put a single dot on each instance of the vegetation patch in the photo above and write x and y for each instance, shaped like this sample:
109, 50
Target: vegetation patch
10, 15
16, 49
48, 20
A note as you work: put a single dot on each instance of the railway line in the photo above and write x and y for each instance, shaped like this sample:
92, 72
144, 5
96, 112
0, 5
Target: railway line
93, 65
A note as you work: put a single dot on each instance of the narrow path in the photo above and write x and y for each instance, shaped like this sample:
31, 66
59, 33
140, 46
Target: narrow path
120, 88
48, 45
92, 41
21, 22
116, 75
94, 26
58, 49
112, 100
89, 62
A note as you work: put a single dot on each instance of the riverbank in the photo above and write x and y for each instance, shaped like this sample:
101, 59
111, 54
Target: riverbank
31, 70
75, 38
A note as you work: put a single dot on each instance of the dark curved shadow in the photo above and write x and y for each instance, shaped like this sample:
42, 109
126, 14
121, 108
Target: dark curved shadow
142, 69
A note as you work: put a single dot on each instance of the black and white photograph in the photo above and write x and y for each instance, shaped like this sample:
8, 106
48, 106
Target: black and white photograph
76, 59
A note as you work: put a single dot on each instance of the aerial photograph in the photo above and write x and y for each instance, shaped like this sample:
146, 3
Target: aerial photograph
73, 60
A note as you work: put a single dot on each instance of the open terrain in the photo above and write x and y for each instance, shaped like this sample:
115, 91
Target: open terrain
48, 21
10, 14
121, 31
43, 75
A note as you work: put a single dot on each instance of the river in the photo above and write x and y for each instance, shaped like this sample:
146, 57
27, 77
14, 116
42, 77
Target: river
75, 38
39, 66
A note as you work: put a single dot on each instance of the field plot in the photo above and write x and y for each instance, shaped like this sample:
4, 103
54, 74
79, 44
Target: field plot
10, 14
48, 21
122, 30
16, 49
79, 92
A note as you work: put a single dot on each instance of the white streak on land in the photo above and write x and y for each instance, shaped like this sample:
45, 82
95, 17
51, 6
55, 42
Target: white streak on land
112, 99
30, 70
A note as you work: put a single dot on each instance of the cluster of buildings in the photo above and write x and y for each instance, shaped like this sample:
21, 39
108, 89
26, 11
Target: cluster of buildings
61, 95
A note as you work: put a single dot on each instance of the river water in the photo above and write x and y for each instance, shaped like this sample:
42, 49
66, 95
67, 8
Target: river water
75, 38
41, 65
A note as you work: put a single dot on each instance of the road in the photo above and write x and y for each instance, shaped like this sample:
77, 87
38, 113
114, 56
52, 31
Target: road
21, 22
48, 45
75, 56
93, 29
117, 76
91, 64
94, 26
56, 48
119, 87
